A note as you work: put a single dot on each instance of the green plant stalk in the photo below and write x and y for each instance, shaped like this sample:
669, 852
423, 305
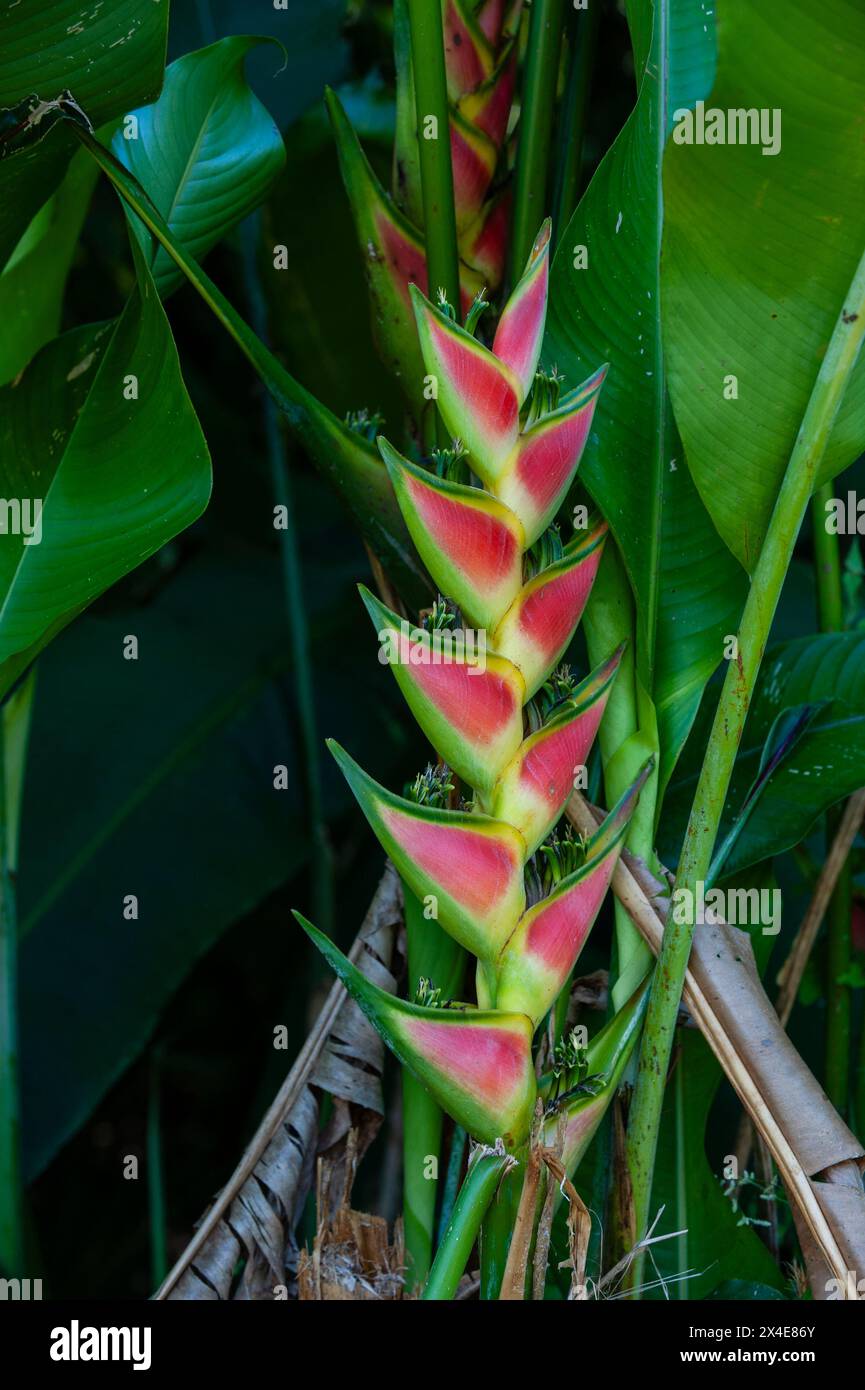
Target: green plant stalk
535, 128
434, 150
155, 1175
727, 727
451, 1188
295, 608
475, 1196
435, 956
14, 730
572, 120
498, 1227
830, 611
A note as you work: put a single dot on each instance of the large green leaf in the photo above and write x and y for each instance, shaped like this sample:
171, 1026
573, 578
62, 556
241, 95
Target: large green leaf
147, 750
110, 56
826, 764
207, 151
100, 431
33, 282
688, 590
346, 456
759, 251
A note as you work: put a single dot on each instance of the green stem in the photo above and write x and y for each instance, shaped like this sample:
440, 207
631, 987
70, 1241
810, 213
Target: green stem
295, 607
434, 150
830, 611
456, 1158
572, 120
462, 1230
435, 956
14, 729
535, 127
155, 1175
726, 733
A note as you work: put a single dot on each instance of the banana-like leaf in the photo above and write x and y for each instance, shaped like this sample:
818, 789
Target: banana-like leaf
101, 437
207, 151
468, 868
111, 58
348, 460
469, 705
541, 621
688, 590
533, 789
476, 1063
539, 957
826, 764
748, 313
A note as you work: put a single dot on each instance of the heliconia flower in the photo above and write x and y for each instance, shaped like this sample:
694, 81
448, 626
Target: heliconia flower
521, 326
538, 475
473, 158
488, 106
476, 1063
393, 253
535, 786
469, 707
577, 1117
477, 394
469, 55
536, 629
537, 960
467, 866
485, 243
471, 544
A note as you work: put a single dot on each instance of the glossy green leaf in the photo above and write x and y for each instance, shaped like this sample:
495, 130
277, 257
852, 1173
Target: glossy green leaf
759, 251
206, 151
110, 56
34, 279
688, 591
826, 764
100, 444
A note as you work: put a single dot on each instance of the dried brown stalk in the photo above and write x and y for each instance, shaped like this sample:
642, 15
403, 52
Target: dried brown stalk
804, 1134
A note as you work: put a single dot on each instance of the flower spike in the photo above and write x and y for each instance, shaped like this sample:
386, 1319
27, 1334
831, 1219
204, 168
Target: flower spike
476, 1063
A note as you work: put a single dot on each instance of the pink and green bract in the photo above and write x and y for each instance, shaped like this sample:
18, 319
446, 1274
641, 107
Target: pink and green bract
484, 690
480, 61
